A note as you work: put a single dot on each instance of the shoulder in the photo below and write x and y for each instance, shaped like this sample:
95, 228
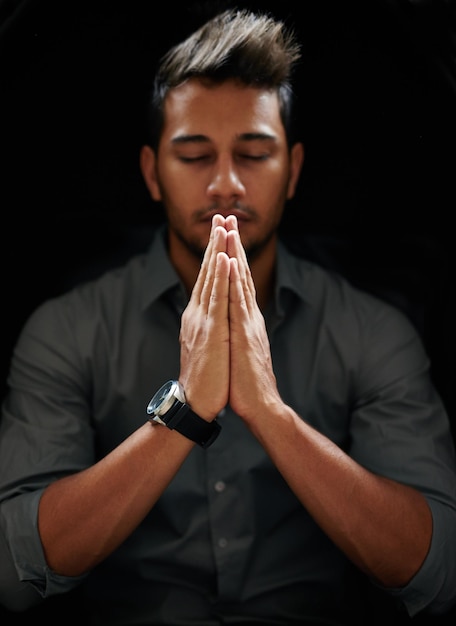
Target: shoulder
89, 304
351, 315
330, 289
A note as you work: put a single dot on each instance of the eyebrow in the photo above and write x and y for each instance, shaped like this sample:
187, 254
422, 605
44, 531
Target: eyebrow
183, 139
189, 139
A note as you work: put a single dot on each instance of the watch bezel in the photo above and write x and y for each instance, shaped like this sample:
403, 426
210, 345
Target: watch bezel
169, 408
164, 399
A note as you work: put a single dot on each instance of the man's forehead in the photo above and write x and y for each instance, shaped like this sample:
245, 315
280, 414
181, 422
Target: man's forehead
193, 109
199, 94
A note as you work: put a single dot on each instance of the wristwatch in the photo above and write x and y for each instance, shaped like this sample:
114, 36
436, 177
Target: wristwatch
169, 408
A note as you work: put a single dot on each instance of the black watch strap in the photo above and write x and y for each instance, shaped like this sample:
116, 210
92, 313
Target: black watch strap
191, 425
188, 423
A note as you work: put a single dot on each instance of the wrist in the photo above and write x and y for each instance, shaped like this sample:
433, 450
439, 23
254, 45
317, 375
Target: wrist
169, 408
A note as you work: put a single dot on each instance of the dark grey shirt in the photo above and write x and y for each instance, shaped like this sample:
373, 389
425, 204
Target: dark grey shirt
228, 537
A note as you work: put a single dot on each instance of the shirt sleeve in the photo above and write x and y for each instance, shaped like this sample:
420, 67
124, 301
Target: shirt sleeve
400, 429
433, 585
45, 434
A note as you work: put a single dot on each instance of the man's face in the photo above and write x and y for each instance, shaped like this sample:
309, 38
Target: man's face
223, 150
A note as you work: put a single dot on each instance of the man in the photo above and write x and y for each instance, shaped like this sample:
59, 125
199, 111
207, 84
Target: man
295, 451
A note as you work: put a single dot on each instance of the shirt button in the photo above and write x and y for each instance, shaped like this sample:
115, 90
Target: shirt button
219, 486
222, 542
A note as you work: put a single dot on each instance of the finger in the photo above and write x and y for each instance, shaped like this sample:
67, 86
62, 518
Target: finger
208, 258
231, 223
218, 220
219, 296
235, 247
218, 245
236, 251
237, 299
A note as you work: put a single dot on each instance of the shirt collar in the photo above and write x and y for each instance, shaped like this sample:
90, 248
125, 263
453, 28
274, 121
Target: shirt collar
161, 278
293, 279
292, 276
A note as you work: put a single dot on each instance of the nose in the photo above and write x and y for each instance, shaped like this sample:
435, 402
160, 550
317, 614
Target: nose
225, 181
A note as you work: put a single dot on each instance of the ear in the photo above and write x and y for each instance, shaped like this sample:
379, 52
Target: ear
147, 163
296, 162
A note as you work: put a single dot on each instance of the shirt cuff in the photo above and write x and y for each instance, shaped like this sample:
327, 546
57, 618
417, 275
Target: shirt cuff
433, 586
19, 521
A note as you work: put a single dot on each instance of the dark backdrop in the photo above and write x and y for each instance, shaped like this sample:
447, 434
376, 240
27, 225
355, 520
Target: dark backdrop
377, 103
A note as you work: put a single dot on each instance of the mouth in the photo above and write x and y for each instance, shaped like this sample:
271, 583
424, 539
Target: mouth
241, 214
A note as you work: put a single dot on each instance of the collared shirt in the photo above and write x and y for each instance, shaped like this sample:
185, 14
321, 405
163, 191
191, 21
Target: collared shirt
228, 542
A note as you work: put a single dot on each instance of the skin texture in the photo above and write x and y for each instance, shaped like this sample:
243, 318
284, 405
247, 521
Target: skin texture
224, 172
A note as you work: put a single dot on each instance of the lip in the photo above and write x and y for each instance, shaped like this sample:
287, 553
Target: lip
240, 215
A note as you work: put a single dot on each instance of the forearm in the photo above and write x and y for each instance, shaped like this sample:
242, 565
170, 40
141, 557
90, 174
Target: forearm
384, 527
84, 517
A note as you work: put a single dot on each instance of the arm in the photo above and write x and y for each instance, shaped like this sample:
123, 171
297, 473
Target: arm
84, 517
125, 485
383, 527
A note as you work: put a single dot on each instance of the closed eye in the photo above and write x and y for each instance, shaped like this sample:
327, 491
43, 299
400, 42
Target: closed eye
193, 159
255, 157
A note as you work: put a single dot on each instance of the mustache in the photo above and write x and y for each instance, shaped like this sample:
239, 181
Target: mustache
233, 208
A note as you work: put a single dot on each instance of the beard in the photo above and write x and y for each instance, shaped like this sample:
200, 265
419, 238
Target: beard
252, 250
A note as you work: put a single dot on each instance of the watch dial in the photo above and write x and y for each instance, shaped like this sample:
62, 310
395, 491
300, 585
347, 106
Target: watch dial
159, 397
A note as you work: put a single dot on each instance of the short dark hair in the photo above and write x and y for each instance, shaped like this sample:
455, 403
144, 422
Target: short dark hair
251, 47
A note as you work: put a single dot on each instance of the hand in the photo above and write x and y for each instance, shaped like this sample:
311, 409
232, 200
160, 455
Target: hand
204, 334
252, 379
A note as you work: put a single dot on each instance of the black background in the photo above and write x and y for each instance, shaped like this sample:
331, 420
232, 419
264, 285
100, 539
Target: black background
377, 102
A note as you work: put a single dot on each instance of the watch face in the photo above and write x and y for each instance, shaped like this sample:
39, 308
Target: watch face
159, 401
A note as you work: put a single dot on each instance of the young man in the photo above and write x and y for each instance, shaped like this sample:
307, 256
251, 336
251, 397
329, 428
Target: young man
220, 432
